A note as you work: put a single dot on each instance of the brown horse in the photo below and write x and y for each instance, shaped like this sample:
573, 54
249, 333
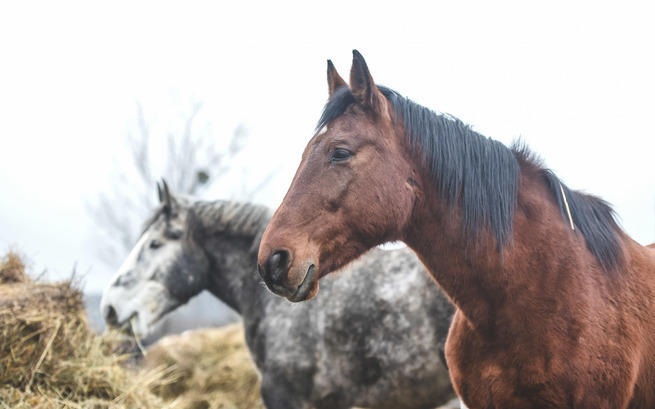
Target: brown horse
556, 304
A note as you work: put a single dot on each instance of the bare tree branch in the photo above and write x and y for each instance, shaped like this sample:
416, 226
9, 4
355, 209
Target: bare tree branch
193, 163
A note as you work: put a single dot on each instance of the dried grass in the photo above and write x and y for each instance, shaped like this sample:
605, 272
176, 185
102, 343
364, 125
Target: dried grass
12, 270
50, 358
215, 369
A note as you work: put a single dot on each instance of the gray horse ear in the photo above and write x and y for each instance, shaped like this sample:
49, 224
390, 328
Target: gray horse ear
334, 79
168, 201
362, 84
160, 194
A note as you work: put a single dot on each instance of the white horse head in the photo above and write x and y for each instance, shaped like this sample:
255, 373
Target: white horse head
165, 269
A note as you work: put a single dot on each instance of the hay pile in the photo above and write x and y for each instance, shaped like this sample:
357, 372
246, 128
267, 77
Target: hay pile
50, 358
215, 369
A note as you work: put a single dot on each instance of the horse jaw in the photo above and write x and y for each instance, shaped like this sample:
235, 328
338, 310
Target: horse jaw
141, 306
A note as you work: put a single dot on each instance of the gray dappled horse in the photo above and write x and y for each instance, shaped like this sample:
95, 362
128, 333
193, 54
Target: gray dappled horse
374, 339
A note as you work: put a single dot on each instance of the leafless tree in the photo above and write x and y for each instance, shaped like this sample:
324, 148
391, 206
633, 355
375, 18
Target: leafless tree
192, 162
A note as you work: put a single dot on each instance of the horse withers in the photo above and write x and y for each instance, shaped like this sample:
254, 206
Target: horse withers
554, 301
384, 350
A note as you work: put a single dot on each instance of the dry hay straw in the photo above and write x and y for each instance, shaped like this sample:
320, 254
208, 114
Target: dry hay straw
215, 369
50, 358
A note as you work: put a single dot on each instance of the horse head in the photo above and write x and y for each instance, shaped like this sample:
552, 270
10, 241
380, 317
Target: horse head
337, 206
165, 268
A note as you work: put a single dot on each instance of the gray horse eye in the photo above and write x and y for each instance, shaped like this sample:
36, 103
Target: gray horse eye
174, 234
155, 244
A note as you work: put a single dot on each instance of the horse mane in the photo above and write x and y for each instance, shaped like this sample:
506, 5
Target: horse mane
239, 219
234, 218
592, 216
481, 176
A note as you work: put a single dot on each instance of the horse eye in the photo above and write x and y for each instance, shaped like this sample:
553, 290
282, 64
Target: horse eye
174, 234
340, 154
155, 244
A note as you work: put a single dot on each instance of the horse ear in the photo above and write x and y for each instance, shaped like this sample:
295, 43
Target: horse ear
361, 82
160, 194
168, 201
334, 79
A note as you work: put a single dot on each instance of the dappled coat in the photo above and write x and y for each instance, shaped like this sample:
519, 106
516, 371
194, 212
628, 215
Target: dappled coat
374, 338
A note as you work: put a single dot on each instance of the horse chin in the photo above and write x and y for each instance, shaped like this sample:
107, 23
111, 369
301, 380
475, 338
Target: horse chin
144, 323
308, 288
137, 325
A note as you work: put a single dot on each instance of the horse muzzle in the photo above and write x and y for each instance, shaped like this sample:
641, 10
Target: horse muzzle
294, 282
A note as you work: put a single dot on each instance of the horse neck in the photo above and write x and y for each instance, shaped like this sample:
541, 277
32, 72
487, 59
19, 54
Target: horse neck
481, 281
232, 250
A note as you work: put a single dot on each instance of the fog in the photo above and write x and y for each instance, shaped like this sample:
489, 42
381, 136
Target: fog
574, 80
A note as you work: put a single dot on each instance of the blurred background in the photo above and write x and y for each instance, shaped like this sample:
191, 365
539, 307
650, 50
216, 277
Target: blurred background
98, 101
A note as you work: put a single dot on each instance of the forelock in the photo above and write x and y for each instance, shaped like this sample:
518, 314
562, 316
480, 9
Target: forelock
336, 105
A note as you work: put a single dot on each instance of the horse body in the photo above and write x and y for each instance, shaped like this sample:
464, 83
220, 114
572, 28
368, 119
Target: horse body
561, 333
335, 352
555, 301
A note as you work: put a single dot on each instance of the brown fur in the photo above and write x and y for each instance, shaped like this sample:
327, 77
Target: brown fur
541, 325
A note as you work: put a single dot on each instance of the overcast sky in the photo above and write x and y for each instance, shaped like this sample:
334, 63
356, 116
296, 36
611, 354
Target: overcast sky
575, 80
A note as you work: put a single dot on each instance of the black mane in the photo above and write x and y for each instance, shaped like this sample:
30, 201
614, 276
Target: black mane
481, 176
595, 219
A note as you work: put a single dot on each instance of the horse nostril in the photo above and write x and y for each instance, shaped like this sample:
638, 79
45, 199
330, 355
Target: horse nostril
277, 266
110, 316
